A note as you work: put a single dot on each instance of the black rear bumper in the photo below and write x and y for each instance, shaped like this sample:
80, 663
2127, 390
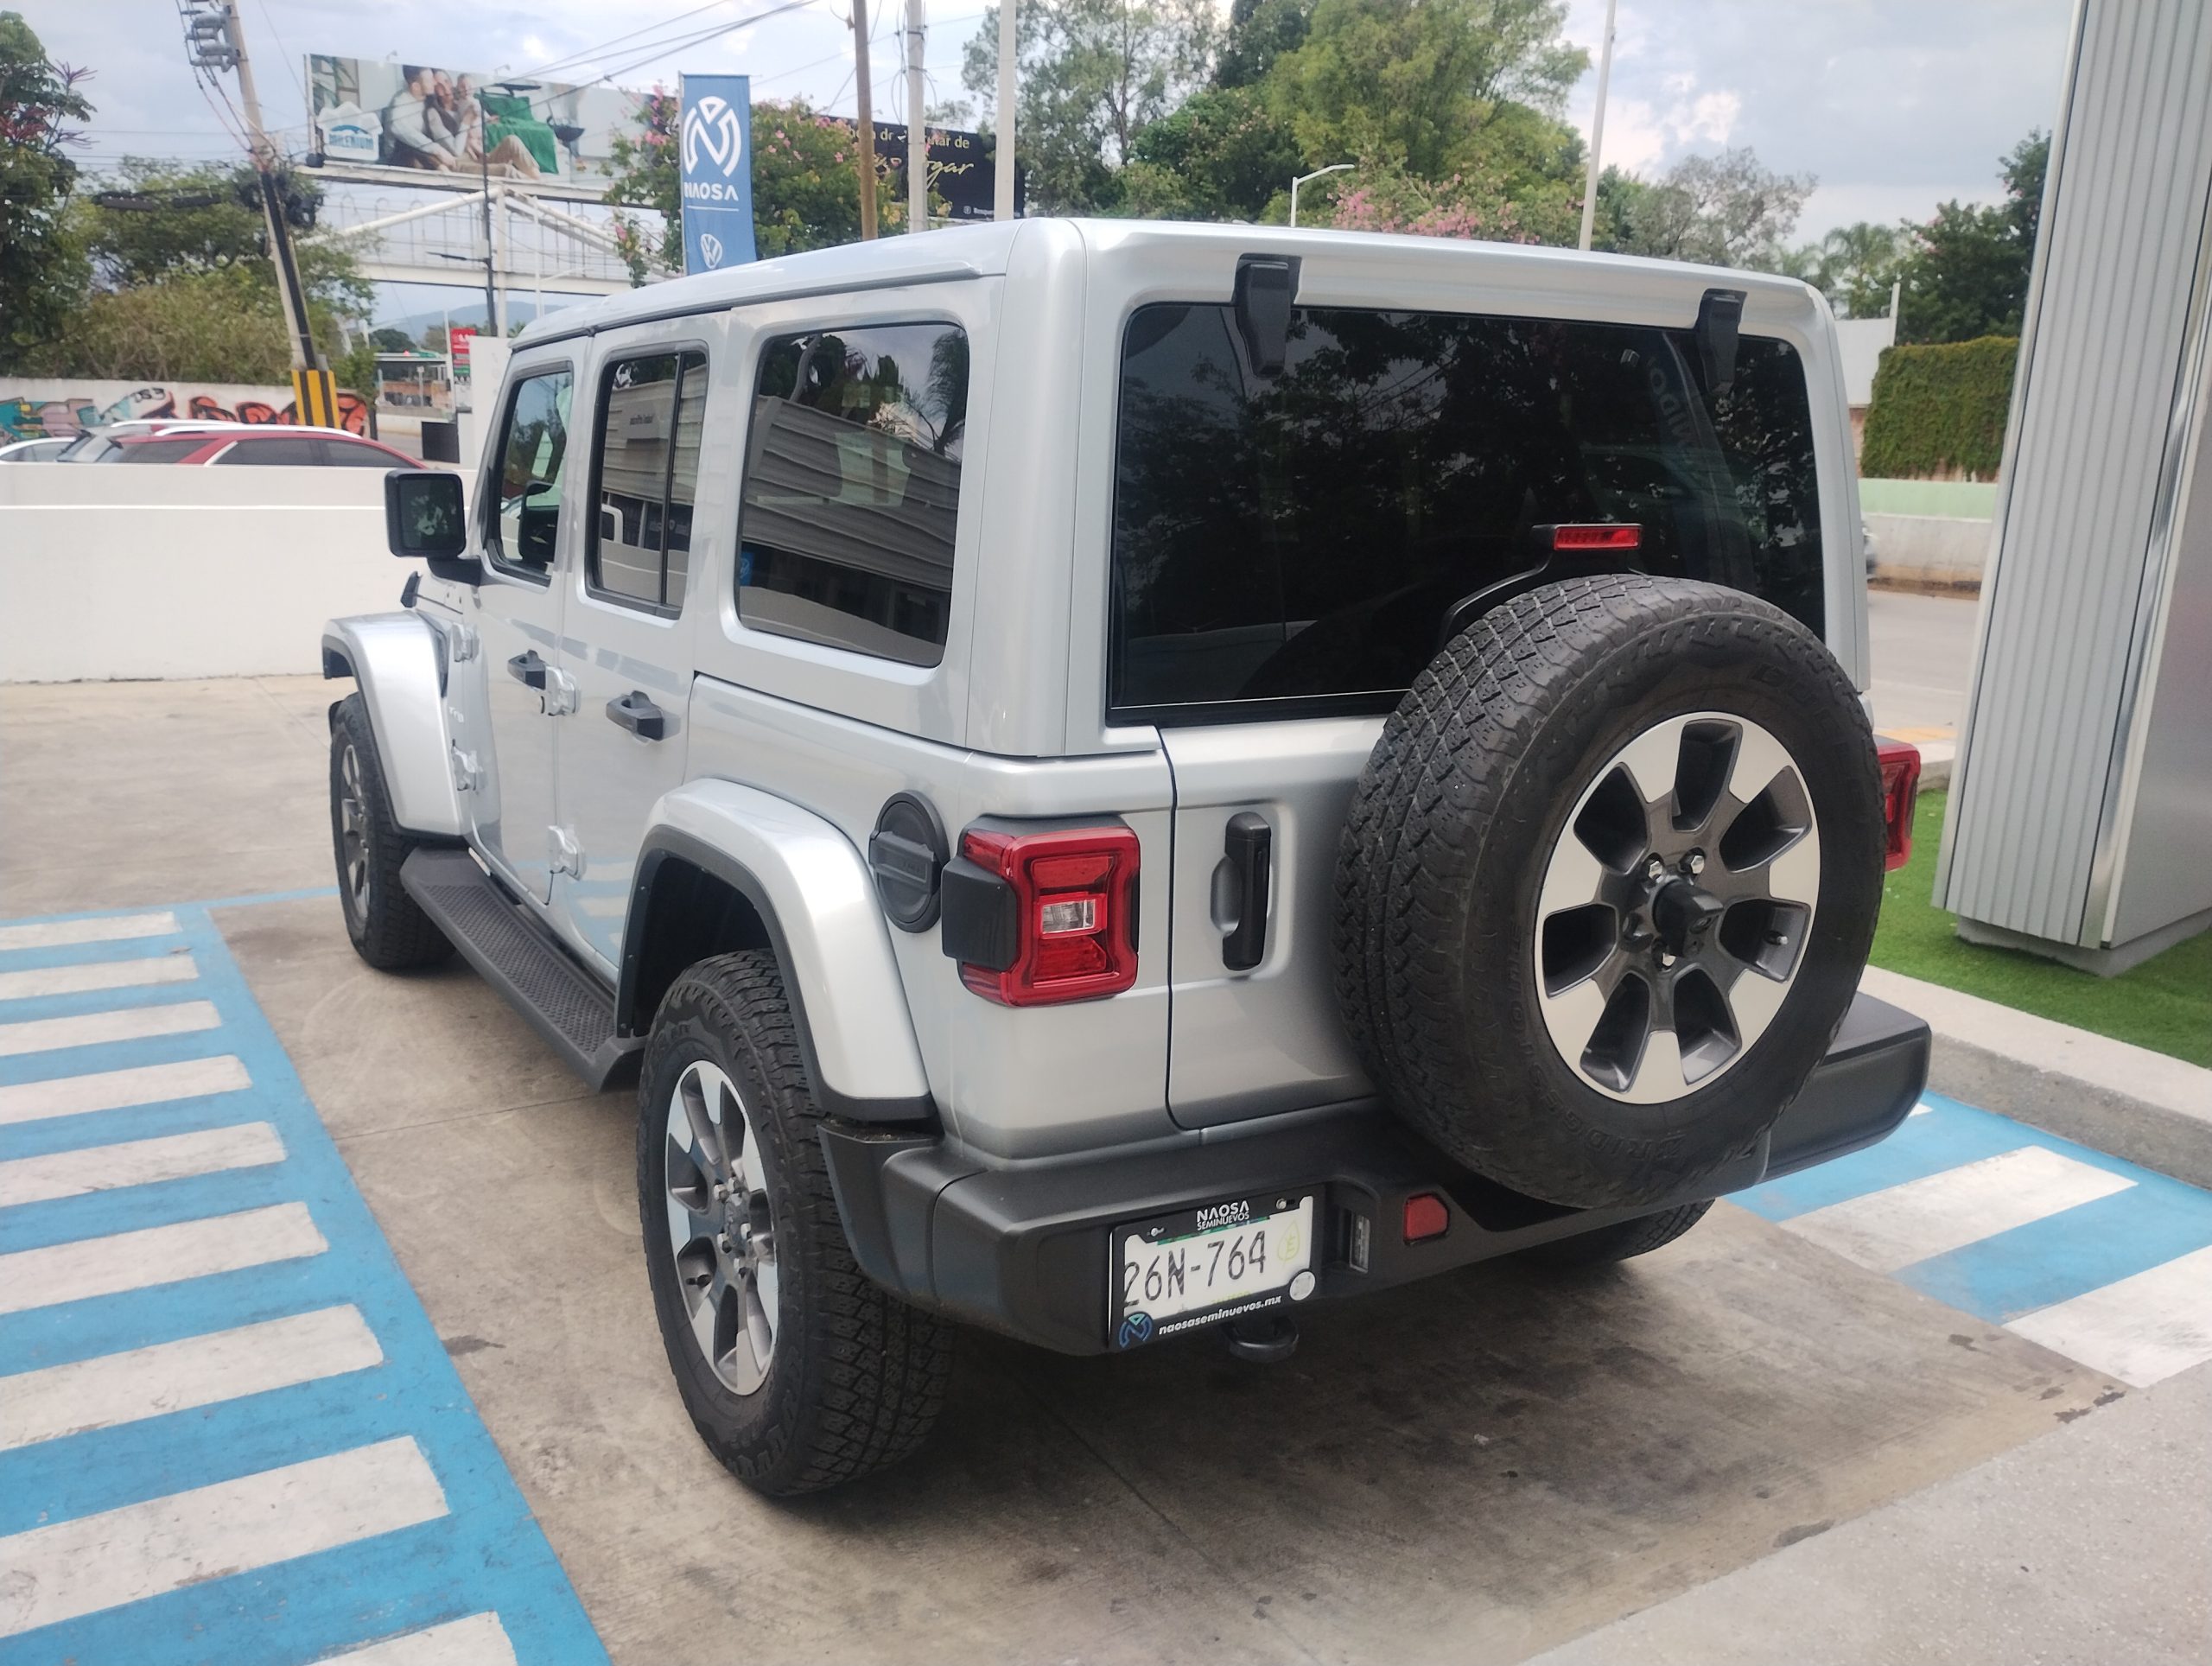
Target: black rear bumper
1024, 1250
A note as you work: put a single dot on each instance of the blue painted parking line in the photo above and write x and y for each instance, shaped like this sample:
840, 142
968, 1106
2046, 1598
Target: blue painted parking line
228, 1431
2104, 1261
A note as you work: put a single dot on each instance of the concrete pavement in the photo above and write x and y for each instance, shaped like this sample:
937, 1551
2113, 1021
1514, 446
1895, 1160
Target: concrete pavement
1475, 1469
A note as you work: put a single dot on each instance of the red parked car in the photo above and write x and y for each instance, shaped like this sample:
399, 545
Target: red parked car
267, 446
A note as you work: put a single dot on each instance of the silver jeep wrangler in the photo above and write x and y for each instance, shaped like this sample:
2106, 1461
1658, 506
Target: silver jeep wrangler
1113, 780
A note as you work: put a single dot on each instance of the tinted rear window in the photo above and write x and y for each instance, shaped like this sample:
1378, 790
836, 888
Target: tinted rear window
1300, 540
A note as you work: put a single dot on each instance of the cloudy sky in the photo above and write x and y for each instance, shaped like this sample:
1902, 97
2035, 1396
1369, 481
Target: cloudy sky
1895, 105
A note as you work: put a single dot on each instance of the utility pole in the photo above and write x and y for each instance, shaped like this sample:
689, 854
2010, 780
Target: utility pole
495, 295
216, 41
867, 121
1002, 178
1597, 129
917, 138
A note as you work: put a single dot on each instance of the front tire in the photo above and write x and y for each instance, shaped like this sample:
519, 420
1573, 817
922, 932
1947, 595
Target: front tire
388, 927
798, 1371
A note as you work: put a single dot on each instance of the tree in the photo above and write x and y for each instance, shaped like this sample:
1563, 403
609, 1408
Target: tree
1224, 155
806, 190
387, 339
42, 266
1094, 74
1417, 84
152, 221
1967, 275
1727, 210
1383, 197
1260, 32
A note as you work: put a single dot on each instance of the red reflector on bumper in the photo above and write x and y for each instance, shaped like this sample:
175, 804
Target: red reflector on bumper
1425, 1216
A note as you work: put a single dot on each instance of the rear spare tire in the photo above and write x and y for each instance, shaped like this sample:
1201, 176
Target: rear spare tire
1607, 885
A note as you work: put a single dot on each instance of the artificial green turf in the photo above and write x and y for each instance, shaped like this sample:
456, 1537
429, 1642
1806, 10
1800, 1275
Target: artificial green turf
2165, 1004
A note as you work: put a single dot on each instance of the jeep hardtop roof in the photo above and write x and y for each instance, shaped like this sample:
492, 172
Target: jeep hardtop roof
985, 250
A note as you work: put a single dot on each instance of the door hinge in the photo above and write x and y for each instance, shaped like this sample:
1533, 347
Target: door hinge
466, 776
559, 692
462, 642
568, 854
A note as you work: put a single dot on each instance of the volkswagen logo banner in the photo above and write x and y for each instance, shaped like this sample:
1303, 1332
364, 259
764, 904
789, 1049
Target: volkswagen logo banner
715, 149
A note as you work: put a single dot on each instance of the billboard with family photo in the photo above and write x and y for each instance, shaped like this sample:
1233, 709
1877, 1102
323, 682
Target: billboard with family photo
431, 118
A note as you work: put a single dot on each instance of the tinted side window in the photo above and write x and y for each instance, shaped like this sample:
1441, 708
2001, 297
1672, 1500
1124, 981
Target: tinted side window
532, 460
339, 454
646, 477
1304, 538
286, 452
852, 488
159, 451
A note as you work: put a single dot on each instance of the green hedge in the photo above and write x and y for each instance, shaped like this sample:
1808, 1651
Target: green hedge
1940, 408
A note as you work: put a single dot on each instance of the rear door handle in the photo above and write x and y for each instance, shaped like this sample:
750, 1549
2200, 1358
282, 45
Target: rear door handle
1250, 846
527, 669
636, 712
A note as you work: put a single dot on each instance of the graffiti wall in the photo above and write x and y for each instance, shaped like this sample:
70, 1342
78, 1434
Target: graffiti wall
40, 410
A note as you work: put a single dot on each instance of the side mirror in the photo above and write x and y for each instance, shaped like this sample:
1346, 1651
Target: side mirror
423, 516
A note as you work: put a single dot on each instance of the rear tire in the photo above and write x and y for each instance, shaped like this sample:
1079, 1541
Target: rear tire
388, 927
1619, 1242
799, 1371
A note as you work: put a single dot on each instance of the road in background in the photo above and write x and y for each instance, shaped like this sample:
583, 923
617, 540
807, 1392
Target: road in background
1922, 659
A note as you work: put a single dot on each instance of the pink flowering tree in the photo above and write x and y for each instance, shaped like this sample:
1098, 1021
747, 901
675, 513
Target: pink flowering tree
1379, 196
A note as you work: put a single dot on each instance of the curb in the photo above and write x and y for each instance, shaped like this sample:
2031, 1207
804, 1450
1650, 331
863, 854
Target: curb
2109, 1094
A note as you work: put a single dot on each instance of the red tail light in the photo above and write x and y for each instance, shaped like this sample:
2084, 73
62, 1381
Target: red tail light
1426, 1218
1044, 917
1598, 535
1900, 761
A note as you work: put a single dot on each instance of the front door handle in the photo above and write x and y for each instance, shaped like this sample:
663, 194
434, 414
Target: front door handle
1250, 846
636, 712
527, 669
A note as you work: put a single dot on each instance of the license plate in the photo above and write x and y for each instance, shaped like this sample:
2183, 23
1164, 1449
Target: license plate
1205, 1264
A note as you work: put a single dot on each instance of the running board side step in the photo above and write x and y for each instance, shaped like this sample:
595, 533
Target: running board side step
520, 958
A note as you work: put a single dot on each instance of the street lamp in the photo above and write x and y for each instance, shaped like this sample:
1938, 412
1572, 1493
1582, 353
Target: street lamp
1333, 168
493, 324
1597, 128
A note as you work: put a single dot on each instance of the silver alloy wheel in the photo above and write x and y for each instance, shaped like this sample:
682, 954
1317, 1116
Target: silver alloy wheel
1676, 907
719, 1227
353, 831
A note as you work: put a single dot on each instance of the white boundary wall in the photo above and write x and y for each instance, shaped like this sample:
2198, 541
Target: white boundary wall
109, 572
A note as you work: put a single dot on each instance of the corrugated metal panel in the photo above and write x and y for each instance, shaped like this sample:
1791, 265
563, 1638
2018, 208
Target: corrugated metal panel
2090, 432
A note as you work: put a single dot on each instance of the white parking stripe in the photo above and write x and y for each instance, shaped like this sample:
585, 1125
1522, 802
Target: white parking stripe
97, 974
88, 1029
200, 1371
114, 1090
479, 1640
137, 1162
2141, 1329
57, 933
1903, 1224
73, 1568
156, 1254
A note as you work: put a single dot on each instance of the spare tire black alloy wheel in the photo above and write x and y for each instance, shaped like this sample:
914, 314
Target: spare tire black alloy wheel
1676, 906
721, 1232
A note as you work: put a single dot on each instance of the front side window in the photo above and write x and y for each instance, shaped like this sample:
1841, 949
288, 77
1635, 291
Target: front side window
852, 489
647, 478
1303, 538
532, 460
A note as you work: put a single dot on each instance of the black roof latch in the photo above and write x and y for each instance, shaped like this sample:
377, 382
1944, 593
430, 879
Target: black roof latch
1718, 316
1267, 289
